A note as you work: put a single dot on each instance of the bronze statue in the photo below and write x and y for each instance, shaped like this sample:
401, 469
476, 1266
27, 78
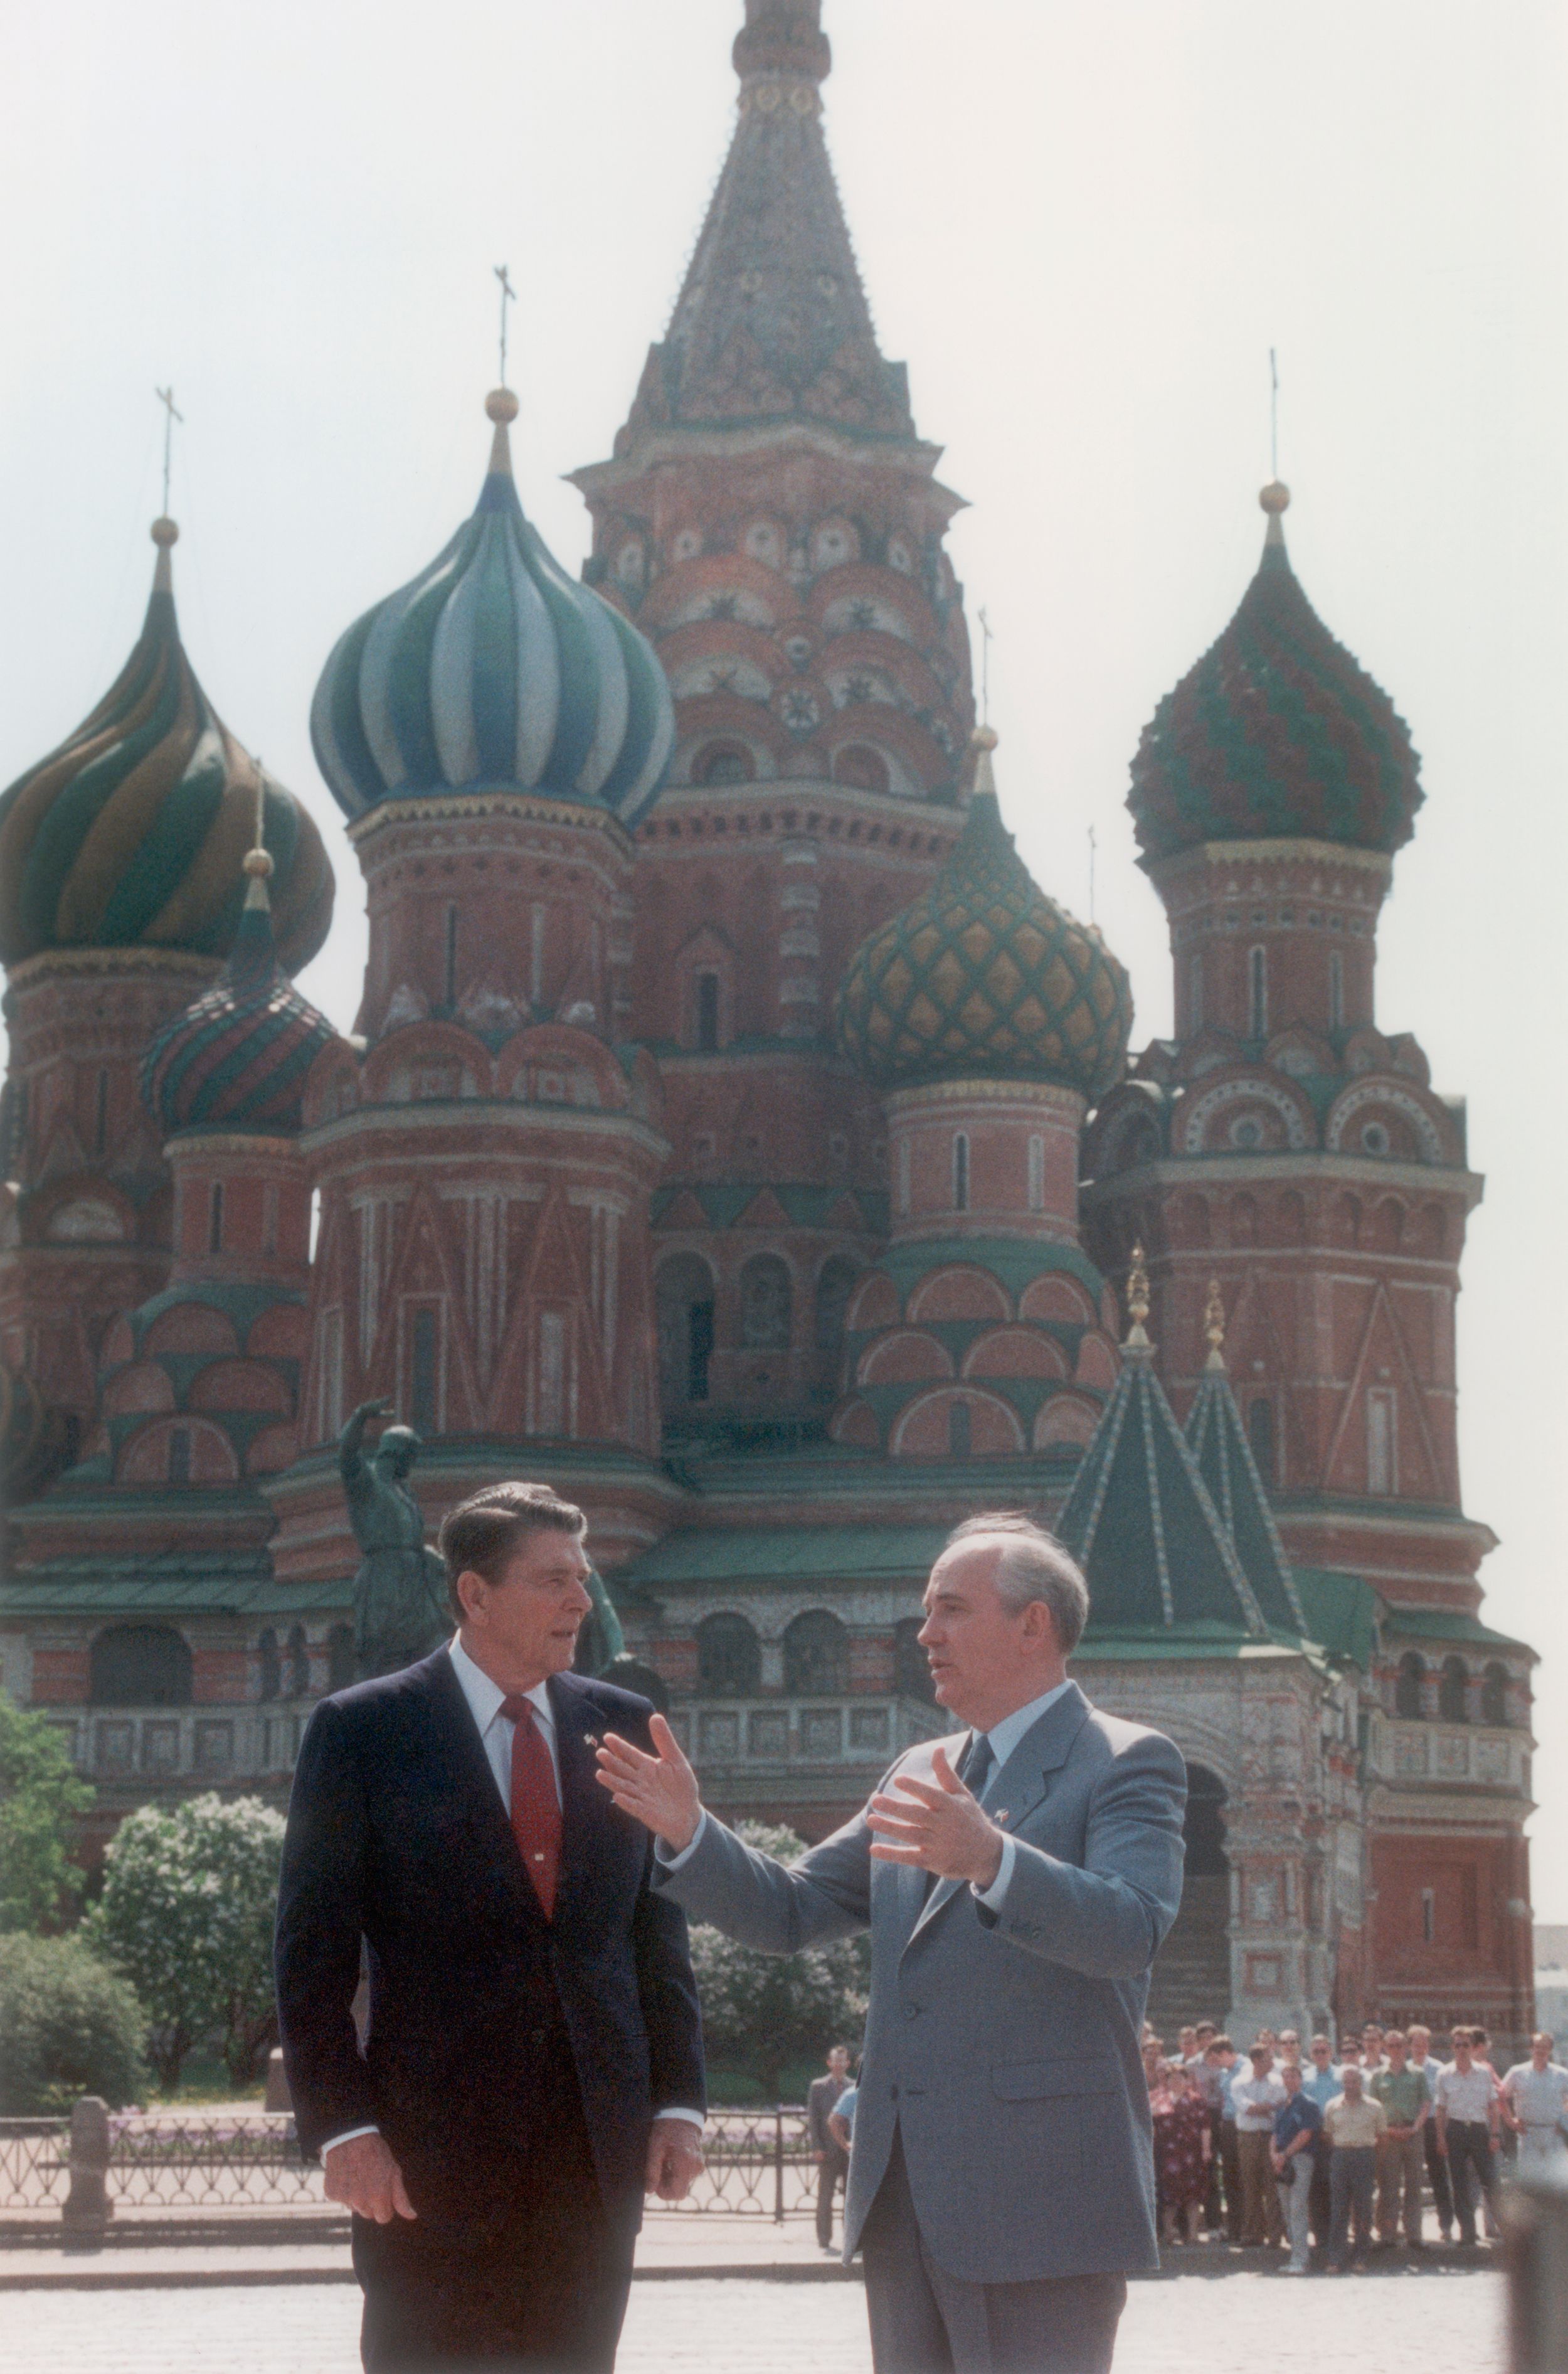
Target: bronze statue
400, 1611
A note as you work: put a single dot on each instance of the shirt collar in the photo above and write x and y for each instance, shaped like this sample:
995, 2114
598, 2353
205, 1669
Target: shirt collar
1005, 1736
484, 1696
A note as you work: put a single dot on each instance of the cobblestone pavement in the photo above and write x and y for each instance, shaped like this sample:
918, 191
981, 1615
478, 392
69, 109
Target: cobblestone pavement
1428, 2323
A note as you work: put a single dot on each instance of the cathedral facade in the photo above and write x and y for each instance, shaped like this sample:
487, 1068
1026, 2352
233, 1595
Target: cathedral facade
735, 1136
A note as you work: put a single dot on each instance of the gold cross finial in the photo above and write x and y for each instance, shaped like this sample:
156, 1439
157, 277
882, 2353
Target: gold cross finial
503, 274
985, 626
257, 860
1214, 1326
1137, 1304
166, 397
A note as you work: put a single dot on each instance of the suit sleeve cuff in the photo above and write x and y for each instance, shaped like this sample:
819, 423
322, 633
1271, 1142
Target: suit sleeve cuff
697, 2118
669, 1861
348, 2137
992, 1897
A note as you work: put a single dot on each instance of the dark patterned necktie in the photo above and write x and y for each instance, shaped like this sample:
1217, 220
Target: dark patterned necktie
535, 1808
979, 1763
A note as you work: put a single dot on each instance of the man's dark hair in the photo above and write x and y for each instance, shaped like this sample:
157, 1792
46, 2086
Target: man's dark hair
481, 1534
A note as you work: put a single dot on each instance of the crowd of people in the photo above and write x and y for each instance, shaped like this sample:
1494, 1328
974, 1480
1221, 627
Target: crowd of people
1332, 2154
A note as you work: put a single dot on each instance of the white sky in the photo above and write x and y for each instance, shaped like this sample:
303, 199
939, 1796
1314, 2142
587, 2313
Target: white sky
1083, 224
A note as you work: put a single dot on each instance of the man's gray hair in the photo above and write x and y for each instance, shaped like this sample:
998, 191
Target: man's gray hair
1032, 1566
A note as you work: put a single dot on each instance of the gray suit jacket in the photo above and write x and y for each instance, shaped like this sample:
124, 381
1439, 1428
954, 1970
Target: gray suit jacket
1003, 2045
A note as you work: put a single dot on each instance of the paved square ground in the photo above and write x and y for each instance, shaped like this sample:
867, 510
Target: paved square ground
1427, 2323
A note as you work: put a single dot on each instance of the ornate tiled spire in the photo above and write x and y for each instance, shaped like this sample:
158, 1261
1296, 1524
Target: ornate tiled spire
772, 322
1140, 1519
130, 835
1278, 732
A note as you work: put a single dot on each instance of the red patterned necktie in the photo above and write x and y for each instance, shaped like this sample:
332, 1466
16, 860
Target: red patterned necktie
536, 1809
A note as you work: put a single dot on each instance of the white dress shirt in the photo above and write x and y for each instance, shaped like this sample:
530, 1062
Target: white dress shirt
1004, 1736
485, 1699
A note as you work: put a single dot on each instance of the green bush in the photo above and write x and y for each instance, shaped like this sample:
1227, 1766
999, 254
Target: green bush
68, 2026
40, 1799
763, 2013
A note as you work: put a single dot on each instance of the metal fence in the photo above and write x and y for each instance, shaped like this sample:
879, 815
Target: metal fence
759, 2163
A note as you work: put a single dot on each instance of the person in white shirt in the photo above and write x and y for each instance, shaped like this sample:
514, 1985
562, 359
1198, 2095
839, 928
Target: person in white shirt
1467, 2130
1534, 2103
1424, 2058
1257, 2098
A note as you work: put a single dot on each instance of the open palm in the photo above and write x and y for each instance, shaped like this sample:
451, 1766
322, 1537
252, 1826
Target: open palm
660, 1790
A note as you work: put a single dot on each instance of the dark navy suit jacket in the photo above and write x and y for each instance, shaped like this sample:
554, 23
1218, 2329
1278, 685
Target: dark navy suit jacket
486, 2021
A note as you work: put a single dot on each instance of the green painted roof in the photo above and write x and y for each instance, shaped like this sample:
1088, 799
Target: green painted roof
1227, 1466
1448, 1624
1341, 1613
1142, 1525
93, 1587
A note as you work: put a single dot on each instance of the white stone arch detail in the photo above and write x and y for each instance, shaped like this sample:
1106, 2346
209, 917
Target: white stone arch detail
1375, 1092
1246, 1089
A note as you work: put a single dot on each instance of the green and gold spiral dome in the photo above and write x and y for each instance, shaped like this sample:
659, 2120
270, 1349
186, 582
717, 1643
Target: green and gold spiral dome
130, 834
983, 977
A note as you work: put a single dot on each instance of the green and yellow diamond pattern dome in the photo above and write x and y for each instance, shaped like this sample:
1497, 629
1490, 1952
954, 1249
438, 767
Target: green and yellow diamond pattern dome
984, 977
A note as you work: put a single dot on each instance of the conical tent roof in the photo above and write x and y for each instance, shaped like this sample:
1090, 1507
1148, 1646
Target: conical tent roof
1225, 1462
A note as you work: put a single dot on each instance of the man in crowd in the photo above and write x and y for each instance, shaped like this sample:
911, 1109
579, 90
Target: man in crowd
1221, 2057
1467, 2130
1289, 2048
1297, 2125
1371, 2052
1534, 2103
1209, 2084
1354, 2126
1401, 2156
831, 2160
1256, 2099
1425, 2063
1321, 2082
1187, 2046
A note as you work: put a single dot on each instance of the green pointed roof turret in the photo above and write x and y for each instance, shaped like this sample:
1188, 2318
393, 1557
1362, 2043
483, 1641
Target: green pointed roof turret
1226, 1463
1139, 1520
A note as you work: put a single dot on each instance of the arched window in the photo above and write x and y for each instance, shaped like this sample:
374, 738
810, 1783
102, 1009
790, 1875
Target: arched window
214, 1217
1381, 1439
1494, 1696
1335, 990
861, 769
767, 1298
140, 1665
707, 1013
451, 956
816, 1656
1451, 1685
724, 762
1258, 993
1260, 1434
684, 1291
729, 1657
271, 1664
1204, 1826
100, 1115
1406, 1687
423, 1365
340, 1656
1036, 1174
299, 1662
911, 1671
834, 1286
961, 1170
1195, 995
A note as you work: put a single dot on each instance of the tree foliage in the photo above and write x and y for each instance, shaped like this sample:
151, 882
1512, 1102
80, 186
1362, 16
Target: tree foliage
764, 2011
187, 1914
69, 2025
41, 1801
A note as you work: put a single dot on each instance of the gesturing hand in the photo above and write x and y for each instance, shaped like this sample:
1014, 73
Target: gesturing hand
660, 1790
362, 2175
940, 1828
674, 2158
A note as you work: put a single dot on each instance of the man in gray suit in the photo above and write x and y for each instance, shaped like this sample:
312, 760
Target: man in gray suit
1018, 1880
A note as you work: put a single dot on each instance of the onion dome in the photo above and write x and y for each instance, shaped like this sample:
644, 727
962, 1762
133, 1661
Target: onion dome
1277, 733
130, 835
983, 977
493, 670
238, 1057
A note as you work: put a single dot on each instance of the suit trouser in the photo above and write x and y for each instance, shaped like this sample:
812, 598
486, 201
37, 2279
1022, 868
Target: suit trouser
1294, 2210
924, 2321
1472, 2169
542, 2282
1230, 2161
1401, 2163
830, 2175
1259, 2193
1320, 2194
1439, 2179
1353, 2174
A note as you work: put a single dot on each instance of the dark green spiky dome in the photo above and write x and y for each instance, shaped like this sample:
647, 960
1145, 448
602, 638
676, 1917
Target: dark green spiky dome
983, 977
1278, 734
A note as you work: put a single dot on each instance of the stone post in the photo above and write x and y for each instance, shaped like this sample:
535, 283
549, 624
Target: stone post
88, 2208
1535, 2221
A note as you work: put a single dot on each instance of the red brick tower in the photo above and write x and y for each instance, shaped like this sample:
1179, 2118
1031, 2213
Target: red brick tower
120, 895
495, 731
771, 520
1284, 1145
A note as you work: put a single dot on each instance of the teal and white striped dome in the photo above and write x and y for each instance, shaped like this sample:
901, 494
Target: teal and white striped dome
494, 669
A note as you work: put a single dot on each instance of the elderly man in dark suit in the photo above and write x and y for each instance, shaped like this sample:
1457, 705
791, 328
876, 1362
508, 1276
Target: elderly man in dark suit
1018, 1880
832, 2159
532, 2058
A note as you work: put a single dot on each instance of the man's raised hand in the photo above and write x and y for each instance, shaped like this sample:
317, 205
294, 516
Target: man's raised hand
661, 1789
940, 1828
